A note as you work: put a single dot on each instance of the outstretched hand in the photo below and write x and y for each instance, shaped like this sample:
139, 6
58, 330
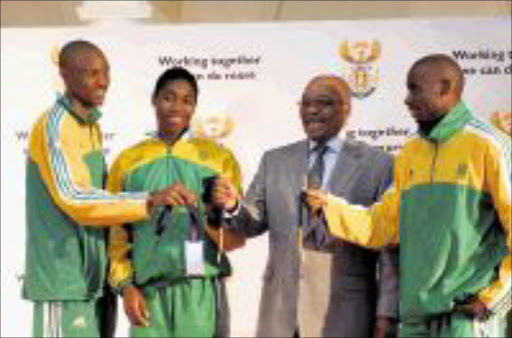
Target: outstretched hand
474, 309
316, 199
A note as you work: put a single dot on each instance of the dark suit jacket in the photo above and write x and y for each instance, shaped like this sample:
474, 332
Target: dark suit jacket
273, 203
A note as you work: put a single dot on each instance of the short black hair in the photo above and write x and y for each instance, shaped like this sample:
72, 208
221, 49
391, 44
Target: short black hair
173, 74
447, 65
72, 48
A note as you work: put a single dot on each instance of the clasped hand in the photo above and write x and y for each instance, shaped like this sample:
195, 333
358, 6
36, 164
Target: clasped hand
225, 195
315, 199
174, 195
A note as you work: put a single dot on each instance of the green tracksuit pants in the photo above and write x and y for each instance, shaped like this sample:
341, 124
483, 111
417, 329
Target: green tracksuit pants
185, 309
454, 324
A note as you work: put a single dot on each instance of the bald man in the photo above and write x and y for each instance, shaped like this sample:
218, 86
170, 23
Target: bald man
67, 210
449, 208
314, 284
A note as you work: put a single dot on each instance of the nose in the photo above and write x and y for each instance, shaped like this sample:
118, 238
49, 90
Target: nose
408, 100
179, 105
102, 80
311, 109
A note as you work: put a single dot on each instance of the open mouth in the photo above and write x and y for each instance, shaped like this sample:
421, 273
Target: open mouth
174, 120
315, 127
314, 124
314, 120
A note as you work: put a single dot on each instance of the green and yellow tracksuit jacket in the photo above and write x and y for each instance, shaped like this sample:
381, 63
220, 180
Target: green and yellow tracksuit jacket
66, 208
141, 255
450, 210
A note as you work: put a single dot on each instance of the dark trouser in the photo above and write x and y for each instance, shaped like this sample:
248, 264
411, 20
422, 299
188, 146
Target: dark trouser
107, 310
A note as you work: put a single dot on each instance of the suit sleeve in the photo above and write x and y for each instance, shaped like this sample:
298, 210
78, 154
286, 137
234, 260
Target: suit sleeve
66, 177
388, 279
498, 181
229, 239
388, 295
252, 217
375, 226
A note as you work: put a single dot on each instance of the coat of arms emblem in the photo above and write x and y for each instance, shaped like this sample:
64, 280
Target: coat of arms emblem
361, 70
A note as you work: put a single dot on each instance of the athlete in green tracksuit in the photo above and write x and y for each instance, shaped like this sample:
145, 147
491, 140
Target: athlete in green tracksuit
67, 210
149, 263
450, 209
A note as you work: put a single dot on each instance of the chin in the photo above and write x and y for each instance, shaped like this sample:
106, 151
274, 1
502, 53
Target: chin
317, 138
315, 134
97, 102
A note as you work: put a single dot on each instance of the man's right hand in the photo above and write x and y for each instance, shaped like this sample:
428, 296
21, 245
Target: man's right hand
135, 306
225, 195
173, 195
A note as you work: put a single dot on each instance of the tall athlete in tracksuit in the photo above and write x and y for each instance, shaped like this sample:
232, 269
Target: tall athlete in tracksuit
66, 209
450, 209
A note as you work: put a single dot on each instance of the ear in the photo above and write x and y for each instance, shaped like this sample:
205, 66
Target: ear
346, 109
446, 87
63, 74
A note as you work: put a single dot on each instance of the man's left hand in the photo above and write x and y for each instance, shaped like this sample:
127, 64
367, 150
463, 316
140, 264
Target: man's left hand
385, 327
474, 309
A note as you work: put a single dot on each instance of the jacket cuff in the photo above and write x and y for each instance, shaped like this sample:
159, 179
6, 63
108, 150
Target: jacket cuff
118, 289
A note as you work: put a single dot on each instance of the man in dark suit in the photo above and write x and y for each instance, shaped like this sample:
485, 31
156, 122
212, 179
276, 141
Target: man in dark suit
314, 284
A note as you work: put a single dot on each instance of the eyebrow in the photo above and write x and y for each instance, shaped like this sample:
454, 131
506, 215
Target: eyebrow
81, 67
321, 96
171, 91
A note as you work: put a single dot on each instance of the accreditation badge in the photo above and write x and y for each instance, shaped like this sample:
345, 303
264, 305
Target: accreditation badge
194, 258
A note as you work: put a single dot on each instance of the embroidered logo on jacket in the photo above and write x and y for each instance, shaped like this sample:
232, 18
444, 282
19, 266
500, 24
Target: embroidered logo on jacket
79, 322
462, 170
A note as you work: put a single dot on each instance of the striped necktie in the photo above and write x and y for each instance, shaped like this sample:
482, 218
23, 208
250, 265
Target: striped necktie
315, 234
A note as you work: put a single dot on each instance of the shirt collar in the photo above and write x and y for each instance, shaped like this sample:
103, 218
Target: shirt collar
458, 116
94, 114
185, 136
334, 144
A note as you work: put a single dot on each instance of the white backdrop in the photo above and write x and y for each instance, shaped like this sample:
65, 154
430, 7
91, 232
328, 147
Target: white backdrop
271, 63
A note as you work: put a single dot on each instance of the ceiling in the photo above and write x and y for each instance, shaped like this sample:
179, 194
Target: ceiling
64, 13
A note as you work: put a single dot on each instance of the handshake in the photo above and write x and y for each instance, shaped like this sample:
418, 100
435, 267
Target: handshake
218, 192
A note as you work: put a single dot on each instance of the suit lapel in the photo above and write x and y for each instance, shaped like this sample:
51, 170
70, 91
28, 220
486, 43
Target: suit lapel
298, 166
345, 168
297, 170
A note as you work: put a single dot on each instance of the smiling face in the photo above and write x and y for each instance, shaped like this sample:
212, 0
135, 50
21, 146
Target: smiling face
174, 105
426, 98
435, 84
324, 108
87, 77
